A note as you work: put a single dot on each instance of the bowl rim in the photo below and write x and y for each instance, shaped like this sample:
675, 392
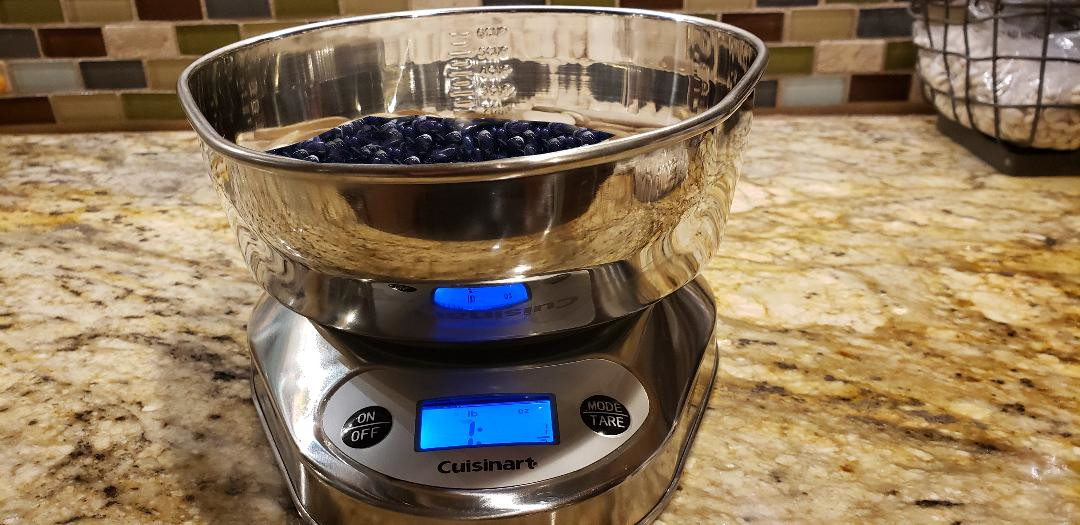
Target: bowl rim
513, 167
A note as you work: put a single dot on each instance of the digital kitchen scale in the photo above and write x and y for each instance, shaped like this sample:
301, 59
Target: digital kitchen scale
590, 425
514, 340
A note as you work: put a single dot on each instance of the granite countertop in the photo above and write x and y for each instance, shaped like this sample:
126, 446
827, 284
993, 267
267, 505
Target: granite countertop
900, 337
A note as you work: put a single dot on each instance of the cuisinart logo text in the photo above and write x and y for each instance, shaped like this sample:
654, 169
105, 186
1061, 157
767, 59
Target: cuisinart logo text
508, 312
485, 465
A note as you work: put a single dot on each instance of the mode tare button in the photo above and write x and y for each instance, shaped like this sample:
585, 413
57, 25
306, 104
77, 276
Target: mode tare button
366, 427
605, 416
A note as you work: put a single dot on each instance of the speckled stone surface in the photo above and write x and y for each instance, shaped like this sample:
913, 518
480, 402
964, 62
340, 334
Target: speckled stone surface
900, 337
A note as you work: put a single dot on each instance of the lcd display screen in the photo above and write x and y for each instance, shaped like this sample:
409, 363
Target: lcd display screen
482, 297
486, 421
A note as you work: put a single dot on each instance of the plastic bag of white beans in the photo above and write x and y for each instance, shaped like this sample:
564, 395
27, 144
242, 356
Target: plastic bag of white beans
958, 66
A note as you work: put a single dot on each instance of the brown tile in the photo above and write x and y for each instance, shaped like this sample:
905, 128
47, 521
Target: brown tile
25, 110
72, 42
941, 13
78, 109
767, 26
877, 88
652, 4
916, 93
162, 74
811, 25
142, 40
364, 7
98, 10
849, 56
169, 9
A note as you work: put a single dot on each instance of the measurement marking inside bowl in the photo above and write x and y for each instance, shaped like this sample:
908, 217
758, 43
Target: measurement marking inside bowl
478, 75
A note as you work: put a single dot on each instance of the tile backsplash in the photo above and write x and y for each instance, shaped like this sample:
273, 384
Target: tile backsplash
113, 64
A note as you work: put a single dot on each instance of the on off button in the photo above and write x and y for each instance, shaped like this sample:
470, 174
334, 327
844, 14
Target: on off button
366, 427
605, 416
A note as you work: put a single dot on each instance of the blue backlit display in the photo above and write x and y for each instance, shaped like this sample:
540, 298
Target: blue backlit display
482, 297
486, 421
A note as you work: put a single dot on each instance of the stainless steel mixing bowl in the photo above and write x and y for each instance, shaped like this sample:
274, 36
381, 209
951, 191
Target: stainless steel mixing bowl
595, 232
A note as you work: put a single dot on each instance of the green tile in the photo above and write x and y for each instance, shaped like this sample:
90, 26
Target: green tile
98, 10
152, 106
250, 30
592, 3
900, 55
87, 108
812, 25
367, 7
198, 40
30, 11
790, 61
305, 8
162, 74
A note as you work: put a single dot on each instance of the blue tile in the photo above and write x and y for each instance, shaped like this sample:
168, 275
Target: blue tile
765, 94
879, 23
44, 76
18, 43
237, 9
114, 74
812, 91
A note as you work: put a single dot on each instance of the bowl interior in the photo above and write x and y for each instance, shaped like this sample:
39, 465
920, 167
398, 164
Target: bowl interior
622, 72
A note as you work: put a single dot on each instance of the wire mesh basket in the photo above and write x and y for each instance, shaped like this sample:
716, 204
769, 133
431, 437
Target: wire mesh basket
1009, 69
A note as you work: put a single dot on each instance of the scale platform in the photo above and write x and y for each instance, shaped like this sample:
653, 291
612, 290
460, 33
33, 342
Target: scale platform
588, 426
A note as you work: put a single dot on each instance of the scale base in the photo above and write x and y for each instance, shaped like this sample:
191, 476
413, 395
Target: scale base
669, 348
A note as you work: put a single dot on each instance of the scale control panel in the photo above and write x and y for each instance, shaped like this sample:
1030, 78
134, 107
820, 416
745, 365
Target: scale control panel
488, 428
